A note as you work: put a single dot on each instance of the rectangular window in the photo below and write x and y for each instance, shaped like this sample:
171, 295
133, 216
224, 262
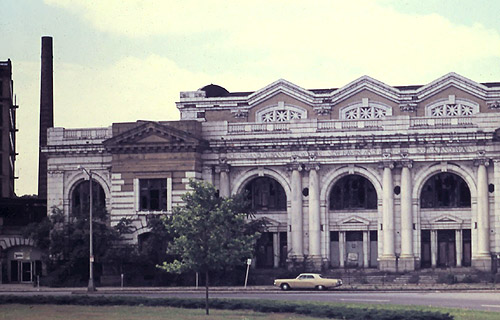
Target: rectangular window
153, 194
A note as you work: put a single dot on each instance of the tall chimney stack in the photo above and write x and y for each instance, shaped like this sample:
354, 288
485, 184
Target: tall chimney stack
46, 112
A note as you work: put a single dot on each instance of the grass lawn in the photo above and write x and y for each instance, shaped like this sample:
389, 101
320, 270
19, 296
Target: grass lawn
458, 314
70, 312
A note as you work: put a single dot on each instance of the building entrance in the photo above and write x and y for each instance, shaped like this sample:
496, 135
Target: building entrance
353, 249
25, 271
446, 248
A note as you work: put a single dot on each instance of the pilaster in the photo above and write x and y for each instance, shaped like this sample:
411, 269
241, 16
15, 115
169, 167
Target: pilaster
459, 246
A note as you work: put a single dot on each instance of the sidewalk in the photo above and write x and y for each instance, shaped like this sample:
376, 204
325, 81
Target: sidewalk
20, 288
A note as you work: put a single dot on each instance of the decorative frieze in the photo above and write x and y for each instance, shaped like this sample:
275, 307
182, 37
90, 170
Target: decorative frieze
495, 105
323, 110
408, 107
238, 114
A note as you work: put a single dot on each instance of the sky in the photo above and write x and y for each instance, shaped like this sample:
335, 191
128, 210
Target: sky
128, 60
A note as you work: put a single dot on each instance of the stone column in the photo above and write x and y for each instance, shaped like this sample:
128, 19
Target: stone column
388, 258
434, 248
366, 249
407, 259
482, 259
296, 214
342, 248
459, 247
224, 184
496, 192
314, 216
276, 249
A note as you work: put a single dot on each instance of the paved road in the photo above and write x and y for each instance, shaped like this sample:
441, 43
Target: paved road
479, 300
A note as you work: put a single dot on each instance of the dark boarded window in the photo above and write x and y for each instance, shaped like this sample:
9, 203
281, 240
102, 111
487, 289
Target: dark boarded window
153, 194
353, 192
266, 194
80, 200
445, 190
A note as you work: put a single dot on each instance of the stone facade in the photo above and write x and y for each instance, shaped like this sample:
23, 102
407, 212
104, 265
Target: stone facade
366, 175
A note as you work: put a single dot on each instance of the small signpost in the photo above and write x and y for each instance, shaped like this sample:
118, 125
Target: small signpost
249, 262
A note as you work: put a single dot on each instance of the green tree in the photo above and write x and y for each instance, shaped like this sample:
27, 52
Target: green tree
209, 233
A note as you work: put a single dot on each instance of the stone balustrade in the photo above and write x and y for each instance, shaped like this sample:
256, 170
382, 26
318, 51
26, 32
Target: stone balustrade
62, 136
480, 121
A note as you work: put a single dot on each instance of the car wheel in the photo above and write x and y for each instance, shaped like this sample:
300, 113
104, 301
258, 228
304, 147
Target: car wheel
285, 287
320, 288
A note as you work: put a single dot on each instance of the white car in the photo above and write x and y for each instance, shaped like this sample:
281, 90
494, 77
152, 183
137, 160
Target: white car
308, 281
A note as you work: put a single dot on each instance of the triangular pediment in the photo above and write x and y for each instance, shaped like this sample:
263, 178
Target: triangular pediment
455, 80
365, 83
153, 135
271, 222
355, 220
154, 138
446, 219
281, 86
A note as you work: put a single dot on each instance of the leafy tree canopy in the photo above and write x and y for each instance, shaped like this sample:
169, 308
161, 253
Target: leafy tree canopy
209, 233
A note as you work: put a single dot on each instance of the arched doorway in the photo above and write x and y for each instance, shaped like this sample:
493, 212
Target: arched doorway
442, 195
354, 245
268, 197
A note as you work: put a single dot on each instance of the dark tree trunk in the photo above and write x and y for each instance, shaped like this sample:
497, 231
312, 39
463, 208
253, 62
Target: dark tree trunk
206, 291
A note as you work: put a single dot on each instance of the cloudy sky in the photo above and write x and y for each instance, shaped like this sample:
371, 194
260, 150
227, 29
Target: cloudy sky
124, 60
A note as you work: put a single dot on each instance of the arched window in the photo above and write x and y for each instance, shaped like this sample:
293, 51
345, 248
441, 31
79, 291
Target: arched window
266, 194
452, 108
445, 190
80, 198
365, 111
281, 113
353, 192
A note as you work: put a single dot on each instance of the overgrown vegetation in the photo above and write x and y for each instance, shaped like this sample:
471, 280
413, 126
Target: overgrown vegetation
66, 242
311, 309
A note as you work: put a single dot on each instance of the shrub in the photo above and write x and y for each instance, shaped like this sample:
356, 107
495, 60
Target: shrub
414, 279
470, 279
448, 278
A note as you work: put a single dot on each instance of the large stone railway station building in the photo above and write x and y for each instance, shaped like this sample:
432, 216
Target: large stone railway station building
367, 175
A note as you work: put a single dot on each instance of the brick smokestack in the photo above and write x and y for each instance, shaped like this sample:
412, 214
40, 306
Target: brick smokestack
46, 112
